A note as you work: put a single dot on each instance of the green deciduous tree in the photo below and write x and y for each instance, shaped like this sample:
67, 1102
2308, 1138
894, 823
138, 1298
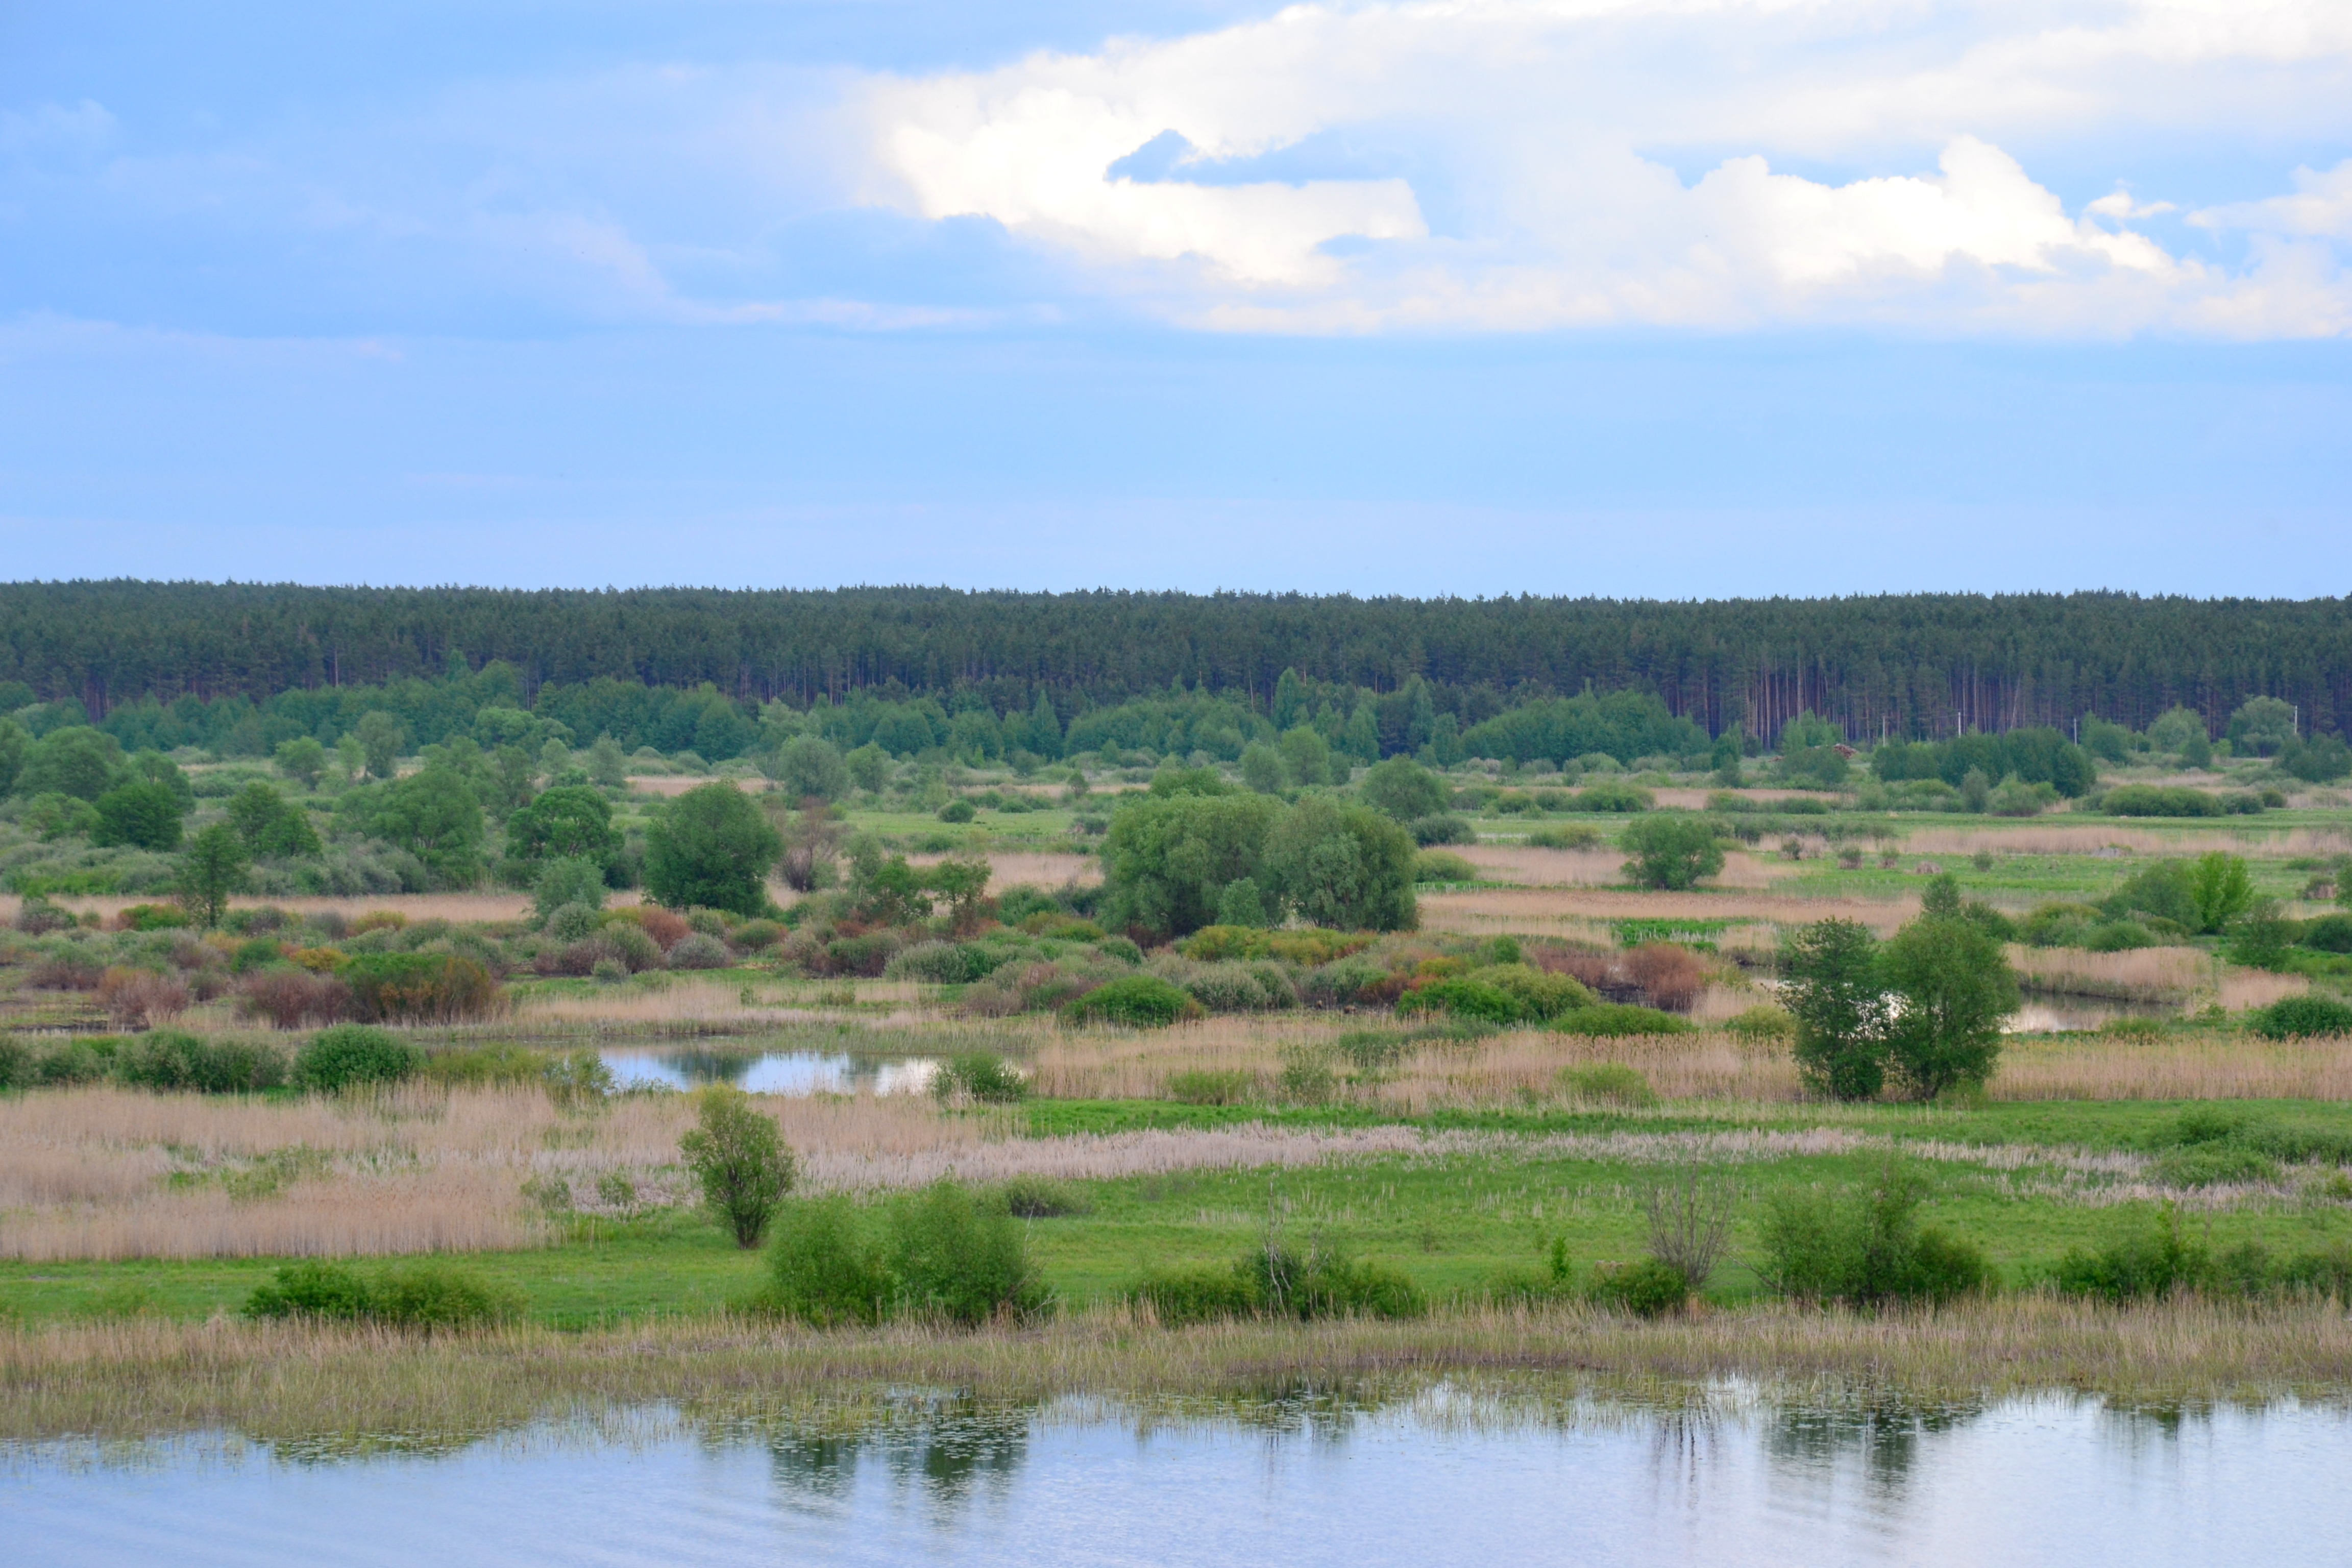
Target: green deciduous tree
739, 1161
809, 767
381, 738
77, 761
1670, 849
212, 868
2261, 726
1261, 768
144, 815
303, 760
1342, 865
2222, 889
269, 825
1954, 987
1307, 757
12, 753
1403, 789
434, 814
1830, 984
711, 847
1166, 859
569, 822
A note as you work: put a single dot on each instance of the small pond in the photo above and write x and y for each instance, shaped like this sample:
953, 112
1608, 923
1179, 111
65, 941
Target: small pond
770, 1072
1436, 1480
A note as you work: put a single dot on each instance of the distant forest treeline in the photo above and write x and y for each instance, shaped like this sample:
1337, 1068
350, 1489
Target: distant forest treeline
1918, 665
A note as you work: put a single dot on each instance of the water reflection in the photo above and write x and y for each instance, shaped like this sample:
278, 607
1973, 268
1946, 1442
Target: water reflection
772, 1072
1433, 1474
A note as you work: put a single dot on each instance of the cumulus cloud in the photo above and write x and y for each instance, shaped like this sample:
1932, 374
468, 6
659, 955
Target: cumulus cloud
1689, 162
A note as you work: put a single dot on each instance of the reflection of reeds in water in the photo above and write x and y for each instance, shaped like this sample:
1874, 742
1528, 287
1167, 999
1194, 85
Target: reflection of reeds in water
291, 1382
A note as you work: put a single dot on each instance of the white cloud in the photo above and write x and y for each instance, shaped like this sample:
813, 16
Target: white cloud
1589, 162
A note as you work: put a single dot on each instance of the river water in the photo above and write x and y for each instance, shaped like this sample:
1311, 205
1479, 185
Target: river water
1439, 1480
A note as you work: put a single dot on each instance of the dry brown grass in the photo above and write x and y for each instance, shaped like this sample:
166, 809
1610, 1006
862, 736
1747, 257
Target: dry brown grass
2165, 975
2055, 839
331, 1386
1046, 869
1573, 912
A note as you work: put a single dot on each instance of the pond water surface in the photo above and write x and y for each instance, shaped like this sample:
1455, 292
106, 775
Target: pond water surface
772, 1072
2028, 1482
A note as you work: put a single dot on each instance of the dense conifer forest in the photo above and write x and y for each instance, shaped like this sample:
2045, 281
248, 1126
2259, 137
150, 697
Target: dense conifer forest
1922, 665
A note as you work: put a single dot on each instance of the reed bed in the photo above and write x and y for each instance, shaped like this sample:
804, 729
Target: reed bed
351, 1388
1037, 869
2054, 839
1485, 911
2148, 974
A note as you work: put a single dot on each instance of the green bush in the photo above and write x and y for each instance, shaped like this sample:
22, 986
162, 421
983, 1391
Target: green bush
1326, 1283
1611, 796
958, 1260
1865, 1246
428, 1294
1040, 1197
1207, 1085
1136, 1001
946, 963
2301, 1017
958, 811
1436, 865
979, 1075
1672, 850
170, 1059
1649, 1289
1576, 835
738, 1160
312, 1290
2143, 1261
419, 987
351, 1056
824, 1266
1197, 1296
2328, 934
1616, 1020
1608, 1083
1445, 828
2160, 800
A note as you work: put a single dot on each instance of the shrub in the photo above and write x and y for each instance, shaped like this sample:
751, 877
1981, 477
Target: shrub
1576, 835
754, 936
573, 922
944, 963
312, 1288
629, 942
739, 1162
1443, 828
1136, 1001
2329, 933
1435, 865
958, 1260
1611, 796
2160, 800
1608, 1083
1326, 1283
980, 1077
568, 883
419, 987
1197, 1296
1234, 987
701, 951
38, 917
352, 1054
1617, 1020
2154, 1260
1865, 1246
1403, 789
431, 1295
1040, 1197
1648, 1288
958, 811
1208, 1085
824, 1266
169, 1059
2301, 1017
1347, 983
138, 998
1763, 1025
1672, 850
711, 847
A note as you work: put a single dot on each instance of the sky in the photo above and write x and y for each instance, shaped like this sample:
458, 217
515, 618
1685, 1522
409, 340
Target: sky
1671, 298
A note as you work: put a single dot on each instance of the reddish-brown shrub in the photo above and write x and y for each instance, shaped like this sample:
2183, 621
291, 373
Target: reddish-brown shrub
1670, 977
666, 927
70, 972
291, 999
138, 998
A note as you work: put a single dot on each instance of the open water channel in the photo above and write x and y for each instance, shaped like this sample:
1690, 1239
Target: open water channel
1437, 1479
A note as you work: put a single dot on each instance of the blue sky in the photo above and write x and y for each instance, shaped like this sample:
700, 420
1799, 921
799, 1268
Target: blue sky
1672, 298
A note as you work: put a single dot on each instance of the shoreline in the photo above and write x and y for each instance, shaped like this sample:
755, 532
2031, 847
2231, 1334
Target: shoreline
287, 1383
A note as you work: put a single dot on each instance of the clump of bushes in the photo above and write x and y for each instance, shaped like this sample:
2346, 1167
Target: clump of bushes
1608, 1083
939, 1255
169, 1059
2156, 1258
980, 1077
1618, 1020
1865, 1248
353, 1055
430, 1296
1136, 1001
1499, 994
1275, 1280
2301, 1017
420, 988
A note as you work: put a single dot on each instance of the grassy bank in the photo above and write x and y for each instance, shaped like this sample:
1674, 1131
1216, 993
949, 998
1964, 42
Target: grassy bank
350, 1387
